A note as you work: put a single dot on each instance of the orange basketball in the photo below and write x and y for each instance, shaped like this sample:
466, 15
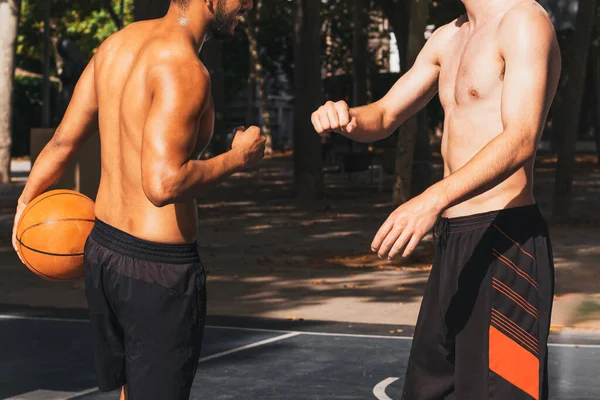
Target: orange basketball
52, 232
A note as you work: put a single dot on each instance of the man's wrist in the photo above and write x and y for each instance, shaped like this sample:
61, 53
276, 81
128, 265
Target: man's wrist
237, 160
438, 199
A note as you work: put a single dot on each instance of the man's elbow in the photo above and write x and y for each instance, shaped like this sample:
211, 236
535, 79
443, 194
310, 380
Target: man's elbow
158, 199
389, 122
63, 146
526, 149
160, 190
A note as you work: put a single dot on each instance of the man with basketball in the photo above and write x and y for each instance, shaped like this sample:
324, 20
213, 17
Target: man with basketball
483, 326
150, 95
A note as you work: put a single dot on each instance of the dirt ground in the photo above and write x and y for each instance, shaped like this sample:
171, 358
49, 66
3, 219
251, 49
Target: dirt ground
269, 256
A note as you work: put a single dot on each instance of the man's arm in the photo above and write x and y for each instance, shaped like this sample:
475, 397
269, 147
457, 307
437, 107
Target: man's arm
409, 94
79, 123
76, 127
180, 97
528, 46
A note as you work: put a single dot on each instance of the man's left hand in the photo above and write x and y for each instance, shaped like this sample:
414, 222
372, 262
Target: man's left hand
406, 226
20, 208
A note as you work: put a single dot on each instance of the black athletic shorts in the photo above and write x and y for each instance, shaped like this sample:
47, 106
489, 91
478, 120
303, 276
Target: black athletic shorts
483, 327
147, 305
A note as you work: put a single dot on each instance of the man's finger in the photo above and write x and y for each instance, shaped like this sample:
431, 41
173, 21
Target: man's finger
343, 115
400, 243
381, 234
334, 121
412, 245
352, 125
324, 121
389, 241
316, 123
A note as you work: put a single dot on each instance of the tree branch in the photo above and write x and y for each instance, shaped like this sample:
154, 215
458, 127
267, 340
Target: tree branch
113, 14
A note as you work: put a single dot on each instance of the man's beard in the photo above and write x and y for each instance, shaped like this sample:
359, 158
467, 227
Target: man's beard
220, 27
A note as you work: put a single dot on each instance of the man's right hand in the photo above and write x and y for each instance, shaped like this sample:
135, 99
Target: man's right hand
20, 208
334, 117
250, 144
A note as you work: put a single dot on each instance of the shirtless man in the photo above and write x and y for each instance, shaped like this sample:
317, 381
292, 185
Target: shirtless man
483, 326
145, 284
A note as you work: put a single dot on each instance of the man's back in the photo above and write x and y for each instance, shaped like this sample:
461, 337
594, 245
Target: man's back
122, 67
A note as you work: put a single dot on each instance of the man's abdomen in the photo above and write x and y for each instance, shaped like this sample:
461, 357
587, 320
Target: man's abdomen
513, 192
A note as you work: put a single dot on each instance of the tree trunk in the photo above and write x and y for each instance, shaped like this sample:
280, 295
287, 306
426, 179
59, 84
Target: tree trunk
46, 107
212, 57
596, 112
580, 46
359, 51
256, 78
263, 96
150, 9
398, 12
9, 17
408, 131
308, 169
251, 89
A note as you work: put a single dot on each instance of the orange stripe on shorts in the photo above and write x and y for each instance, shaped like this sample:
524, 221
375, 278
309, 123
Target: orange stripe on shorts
513, 363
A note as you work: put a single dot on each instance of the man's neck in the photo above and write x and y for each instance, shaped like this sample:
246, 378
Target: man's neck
195, 19
480, 11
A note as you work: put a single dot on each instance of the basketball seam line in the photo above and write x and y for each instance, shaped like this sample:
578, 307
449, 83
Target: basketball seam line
47, 253
52, 195
40, 272
55, 220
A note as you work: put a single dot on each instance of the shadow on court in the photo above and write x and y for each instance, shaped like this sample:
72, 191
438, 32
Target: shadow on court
49, 358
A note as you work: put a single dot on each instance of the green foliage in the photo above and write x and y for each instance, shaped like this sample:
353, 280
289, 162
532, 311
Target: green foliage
87, 22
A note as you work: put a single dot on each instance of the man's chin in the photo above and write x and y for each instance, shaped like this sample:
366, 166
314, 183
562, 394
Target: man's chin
224, 34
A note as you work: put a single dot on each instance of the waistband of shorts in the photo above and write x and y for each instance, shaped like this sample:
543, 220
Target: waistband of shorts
513, 216
124, 243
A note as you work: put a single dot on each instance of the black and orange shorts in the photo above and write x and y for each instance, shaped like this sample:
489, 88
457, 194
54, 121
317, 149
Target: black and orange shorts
483, 327
147, 305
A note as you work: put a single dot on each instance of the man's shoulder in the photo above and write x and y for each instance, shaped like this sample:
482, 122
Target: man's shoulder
178, 64
443, 35
527, 20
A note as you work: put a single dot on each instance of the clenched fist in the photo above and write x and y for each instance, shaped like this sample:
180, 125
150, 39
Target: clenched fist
335, 117
250, 144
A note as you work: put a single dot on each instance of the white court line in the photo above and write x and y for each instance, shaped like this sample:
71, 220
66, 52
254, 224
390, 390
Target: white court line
249, 346
379, 389
50, 395
24, 317
312, 333
217, 355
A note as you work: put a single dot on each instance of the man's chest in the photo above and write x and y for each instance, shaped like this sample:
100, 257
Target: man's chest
472, 69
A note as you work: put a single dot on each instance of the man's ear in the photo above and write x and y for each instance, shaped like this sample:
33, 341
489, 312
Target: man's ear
211, 5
